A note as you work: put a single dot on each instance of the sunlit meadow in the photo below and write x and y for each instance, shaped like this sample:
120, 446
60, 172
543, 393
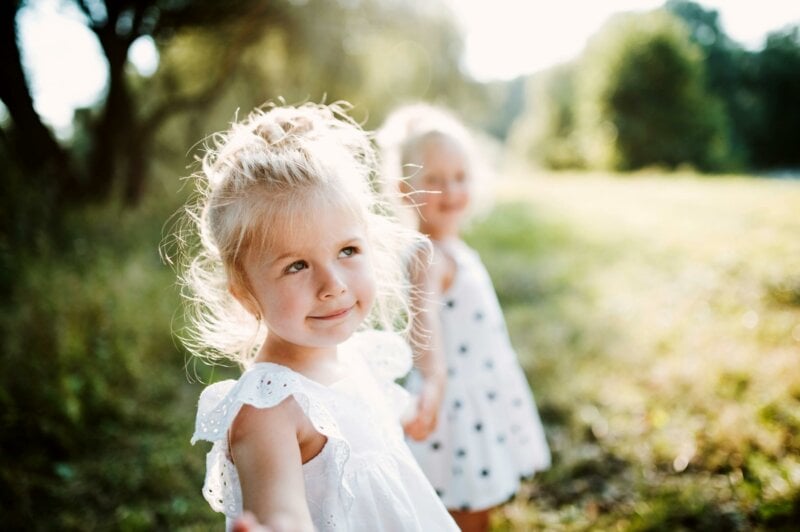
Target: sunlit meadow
658, 319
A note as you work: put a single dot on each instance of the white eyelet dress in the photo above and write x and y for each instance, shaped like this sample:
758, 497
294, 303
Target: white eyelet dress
489, 434
365, 478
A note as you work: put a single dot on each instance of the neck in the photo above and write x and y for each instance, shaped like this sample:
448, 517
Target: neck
439, 234
443, 240
302, 359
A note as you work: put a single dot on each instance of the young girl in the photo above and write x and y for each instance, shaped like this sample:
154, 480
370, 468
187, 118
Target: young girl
294, 256
489, 433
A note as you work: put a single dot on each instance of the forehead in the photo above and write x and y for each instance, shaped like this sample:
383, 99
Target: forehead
310, 222
440, 154
440, 150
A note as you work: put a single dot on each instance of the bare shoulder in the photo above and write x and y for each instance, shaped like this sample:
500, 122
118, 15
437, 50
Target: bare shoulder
277, 422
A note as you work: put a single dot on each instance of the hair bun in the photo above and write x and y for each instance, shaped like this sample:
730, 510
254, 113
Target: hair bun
271, 131
275, 129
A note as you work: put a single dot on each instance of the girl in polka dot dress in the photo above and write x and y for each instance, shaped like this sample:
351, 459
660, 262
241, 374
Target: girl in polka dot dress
294, 256
488, 434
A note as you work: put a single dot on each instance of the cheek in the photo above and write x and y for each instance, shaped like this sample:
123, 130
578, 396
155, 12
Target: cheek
367, 286
427, 202
280, 303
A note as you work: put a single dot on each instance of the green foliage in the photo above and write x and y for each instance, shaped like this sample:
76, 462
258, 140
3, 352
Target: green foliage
89, 365
375, 55
757, 89
643, 100
726, 64
777, 84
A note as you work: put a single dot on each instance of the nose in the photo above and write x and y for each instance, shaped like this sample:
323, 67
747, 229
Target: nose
331, 283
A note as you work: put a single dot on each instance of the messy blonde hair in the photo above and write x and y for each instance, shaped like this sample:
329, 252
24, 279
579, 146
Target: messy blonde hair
267, 164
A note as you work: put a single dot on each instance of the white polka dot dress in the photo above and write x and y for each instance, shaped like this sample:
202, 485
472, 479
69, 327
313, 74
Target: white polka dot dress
489, 434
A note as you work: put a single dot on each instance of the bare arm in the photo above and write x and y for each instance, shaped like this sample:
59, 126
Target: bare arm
426, 278
266, 450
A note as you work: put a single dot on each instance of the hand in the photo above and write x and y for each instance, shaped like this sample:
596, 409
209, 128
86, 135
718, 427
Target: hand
247, 523
423, 422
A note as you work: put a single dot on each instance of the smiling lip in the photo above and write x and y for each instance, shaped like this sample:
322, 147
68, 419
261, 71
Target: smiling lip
334, 315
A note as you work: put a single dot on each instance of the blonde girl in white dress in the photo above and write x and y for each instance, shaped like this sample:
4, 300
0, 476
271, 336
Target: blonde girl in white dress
488, 434
294, 269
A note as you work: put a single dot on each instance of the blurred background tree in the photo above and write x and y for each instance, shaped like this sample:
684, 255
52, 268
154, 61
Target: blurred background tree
642, 98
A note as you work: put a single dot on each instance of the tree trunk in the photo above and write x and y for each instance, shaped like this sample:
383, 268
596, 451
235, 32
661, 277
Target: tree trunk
39, 154
115, 125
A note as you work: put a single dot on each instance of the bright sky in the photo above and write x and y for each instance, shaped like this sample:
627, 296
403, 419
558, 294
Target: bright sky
504, 38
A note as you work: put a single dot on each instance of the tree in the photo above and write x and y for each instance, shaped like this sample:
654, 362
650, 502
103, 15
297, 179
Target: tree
776, 80
726, 66
119, 134
642, 98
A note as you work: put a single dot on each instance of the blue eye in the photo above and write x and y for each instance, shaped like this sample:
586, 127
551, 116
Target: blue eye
349, 251
296, 266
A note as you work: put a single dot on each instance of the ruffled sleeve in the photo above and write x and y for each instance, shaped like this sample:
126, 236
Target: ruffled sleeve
264, 385
388, 357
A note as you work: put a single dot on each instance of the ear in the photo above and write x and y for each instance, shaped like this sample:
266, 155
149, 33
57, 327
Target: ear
241, 294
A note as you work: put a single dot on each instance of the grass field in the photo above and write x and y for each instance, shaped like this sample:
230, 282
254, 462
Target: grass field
658, 319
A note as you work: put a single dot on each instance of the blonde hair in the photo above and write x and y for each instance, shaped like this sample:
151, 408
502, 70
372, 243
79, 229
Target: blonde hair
270, 162
407, 129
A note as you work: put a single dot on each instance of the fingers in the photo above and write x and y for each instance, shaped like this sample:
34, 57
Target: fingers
423, 423
247, 523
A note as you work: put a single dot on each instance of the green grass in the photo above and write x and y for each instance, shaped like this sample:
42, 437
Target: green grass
658, 319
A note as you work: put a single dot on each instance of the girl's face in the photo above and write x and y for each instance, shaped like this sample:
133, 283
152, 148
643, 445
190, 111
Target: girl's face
314, 285
444, 185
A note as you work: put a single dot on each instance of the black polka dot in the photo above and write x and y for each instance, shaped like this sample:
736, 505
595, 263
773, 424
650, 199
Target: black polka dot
461, 453
478, 426
463, 348
491, 395
478, 316
436, 446
489, 363
439, 492
501, 438
450, 303
451, 372
464, 507
456, 404
484, 472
